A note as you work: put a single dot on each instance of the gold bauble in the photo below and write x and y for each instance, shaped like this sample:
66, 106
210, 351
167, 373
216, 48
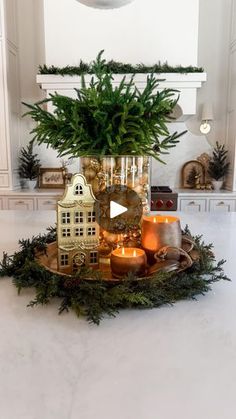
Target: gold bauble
132, 181
95, 185
108, 164
95, 164
110, 237
138, 189
131, 243
85, 161
144, 179
104, 249
136, 234
89, 173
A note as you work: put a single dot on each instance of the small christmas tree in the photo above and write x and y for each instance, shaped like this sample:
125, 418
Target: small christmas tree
29, 163
192, 177
218, 165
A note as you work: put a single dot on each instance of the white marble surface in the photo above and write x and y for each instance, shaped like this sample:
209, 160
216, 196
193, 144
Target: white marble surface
170, 363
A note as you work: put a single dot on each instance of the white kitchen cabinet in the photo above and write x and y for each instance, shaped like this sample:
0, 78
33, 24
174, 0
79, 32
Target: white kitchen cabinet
24, 200
48, 203
20, 204
206, 201
192, 205
222, 205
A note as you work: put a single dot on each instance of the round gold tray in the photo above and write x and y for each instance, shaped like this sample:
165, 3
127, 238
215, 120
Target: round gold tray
168, 259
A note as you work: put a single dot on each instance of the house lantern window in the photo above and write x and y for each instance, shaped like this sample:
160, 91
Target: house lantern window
79, 232
93, 258
91, 231
79, 217
64, 260
66, 232
79, 190
65, 218
91, 217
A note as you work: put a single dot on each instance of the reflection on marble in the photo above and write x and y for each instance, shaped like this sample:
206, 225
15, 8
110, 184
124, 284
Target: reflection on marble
174, 362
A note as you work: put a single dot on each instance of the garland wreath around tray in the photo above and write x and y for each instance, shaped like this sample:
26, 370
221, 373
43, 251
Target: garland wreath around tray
89, 294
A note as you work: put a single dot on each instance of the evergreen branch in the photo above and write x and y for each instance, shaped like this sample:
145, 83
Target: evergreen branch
119, 68
97, 298
108, 120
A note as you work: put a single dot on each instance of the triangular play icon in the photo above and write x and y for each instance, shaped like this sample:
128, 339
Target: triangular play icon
116, 209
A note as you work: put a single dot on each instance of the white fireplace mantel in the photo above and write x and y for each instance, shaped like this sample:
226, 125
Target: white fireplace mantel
187, 85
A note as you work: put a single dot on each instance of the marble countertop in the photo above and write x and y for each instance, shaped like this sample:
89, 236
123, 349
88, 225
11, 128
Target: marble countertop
171, 363
58, 192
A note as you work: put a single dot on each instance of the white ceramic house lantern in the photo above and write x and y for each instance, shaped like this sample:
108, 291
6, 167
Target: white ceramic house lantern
77, 229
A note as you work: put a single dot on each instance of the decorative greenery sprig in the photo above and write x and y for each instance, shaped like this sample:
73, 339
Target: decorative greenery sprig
97, 298
119, 68
218, 165
108, 120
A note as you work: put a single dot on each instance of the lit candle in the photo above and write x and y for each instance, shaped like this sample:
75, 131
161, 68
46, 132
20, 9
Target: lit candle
124, 260
159, 231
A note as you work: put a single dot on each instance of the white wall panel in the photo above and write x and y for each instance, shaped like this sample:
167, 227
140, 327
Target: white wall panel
11, 21
231, 114
143, 31
3, 112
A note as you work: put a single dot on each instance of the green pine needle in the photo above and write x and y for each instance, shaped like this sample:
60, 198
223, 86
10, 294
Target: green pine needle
107, 120
97, 298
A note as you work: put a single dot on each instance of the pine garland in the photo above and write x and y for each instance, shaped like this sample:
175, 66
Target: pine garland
115, 67
97, 298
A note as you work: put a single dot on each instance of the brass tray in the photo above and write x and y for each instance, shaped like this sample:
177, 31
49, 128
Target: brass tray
166, 260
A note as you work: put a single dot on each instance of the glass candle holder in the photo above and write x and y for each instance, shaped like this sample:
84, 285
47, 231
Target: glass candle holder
124, 260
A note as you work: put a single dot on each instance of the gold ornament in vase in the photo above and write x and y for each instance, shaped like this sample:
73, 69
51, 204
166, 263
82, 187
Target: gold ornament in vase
106, 172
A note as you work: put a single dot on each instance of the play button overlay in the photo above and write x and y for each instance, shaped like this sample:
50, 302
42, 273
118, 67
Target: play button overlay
116, 209
119, 209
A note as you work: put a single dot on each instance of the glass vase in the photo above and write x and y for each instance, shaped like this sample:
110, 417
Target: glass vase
130, 171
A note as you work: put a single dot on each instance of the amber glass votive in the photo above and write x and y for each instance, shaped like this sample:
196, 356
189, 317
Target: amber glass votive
159, 231
124, 260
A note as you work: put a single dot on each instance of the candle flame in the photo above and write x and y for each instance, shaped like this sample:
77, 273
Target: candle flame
167, 220
123, 251
155, 220
134, 253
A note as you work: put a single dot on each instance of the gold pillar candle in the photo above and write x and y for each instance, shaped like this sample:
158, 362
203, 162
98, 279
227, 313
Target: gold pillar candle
159, 231
124, 260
